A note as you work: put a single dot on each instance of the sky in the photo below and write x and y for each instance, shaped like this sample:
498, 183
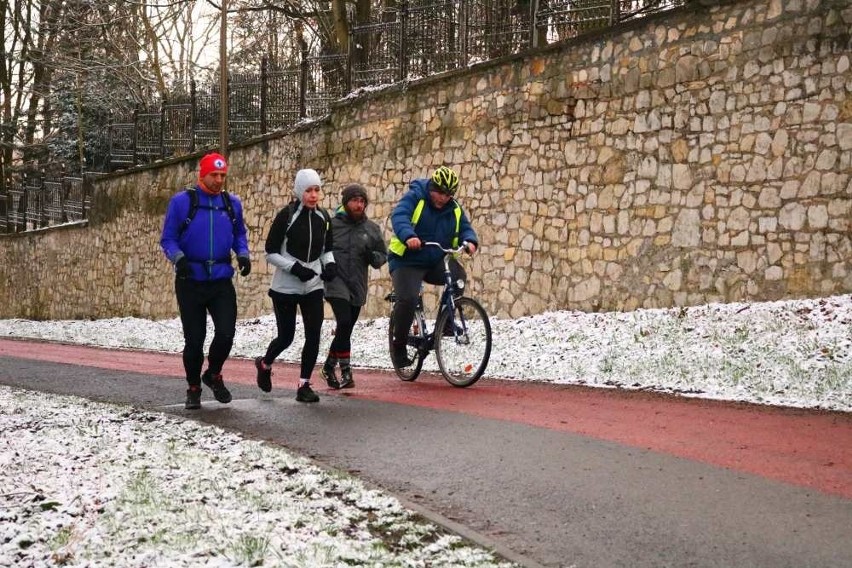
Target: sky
88, 483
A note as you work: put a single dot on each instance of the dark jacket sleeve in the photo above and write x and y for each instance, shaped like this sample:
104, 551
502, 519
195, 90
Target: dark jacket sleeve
277, 232
329, 235
401, 215
175, 216
378, 251
240, 246
466, 232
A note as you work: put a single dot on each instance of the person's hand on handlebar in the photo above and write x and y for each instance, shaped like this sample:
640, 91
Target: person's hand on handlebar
414, 243
469, 248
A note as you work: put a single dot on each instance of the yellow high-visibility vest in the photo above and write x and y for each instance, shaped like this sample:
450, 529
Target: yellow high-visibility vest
398, 247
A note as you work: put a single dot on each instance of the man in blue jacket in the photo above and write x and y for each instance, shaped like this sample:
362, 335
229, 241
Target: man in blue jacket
203, 225
427, 212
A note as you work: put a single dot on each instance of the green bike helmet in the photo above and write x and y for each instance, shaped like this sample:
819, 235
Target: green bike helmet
446, 180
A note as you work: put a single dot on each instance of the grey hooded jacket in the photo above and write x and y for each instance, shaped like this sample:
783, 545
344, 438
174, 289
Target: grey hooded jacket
357, 246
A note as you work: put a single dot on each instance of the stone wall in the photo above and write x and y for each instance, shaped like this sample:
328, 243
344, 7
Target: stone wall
703, 155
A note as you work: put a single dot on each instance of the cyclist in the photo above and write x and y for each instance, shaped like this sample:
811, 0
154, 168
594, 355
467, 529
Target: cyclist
427, 212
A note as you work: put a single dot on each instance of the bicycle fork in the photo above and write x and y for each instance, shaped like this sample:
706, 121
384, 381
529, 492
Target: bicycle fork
455, 319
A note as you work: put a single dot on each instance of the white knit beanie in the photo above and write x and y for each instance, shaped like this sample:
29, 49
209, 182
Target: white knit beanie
304, 180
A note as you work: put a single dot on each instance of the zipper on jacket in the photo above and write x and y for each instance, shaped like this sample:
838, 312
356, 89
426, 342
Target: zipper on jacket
310, 235
209, 264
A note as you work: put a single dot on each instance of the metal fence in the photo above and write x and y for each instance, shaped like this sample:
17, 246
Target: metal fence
33, 201
414, 39
257, 104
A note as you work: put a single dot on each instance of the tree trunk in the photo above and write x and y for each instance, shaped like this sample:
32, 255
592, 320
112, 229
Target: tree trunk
341, 25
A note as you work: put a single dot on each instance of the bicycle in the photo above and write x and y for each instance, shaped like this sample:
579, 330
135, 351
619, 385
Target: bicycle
462, 348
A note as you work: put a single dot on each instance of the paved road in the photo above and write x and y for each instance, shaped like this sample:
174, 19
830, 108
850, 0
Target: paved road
550, 475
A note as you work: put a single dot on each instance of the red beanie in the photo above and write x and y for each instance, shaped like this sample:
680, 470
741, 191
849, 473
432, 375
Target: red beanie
212, 163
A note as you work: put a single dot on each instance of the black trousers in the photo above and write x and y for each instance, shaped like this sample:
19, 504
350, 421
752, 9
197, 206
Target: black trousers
406, 284
285, 318
195, 300
345, 316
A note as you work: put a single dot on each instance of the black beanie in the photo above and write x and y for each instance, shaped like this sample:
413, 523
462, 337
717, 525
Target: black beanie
352, 191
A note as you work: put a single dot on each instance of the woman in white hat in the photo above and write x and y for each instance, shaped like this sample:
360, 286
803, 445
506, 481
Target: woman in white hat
299, 246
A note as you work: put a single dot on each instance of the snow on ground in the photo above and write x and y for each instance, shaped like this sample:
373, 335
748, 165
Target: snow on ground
87, 484
92, 484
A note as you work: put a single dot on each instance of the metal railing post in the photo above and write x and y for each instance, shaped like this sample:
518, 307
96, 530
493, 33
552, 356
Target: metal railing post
21, 225
4, 197
347, 71
86, 191
533, 28
403, 54
135, 133
462, 31
110, 145
163, 104
41, 211
303, 83
264, 93
7, 207
64, 184
193, 109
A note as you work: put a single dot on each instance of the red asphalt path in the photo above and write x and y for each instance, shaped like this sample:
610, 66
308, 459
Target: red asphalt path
802, 447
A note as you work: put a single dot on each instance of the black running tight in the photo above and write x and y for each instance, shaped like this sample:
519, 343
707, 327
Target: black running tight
195, 300
311, 307
345, 316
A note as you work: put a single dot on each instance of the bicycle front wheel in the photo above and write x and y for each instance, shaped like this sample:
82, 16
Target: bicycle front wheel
463, 342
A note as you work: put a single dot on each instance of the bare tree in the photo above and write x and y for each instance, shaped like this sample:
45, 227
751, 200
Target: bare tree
67, 65
175, 40
65, 61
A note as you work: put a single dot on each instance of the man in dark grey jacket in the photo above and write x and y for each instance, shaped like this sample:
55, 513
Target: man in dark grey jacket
358, 244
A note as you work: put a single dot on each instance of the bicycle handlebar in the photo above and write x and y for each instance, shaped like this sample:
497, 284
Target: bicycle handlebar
461, 248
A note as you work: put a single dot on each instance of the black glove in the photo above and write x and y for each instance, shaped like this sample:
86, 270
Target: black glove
329, 272
302, 272
182, 268
244, 263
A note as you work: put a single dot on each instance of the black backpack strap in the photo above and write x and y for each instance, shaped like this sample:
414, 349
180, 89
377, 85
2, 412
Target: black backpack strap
291, 210
193, 208
229, 207
325, 216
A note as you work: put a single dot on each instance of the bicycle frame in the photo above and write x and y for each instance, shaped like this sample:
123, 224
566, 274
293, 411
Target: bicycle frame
447, 301
448, 298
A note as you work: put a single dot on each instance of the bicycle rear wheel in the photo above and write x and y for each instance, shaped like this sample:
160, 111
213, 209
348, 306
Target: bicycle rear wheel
463, 342
415, 354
